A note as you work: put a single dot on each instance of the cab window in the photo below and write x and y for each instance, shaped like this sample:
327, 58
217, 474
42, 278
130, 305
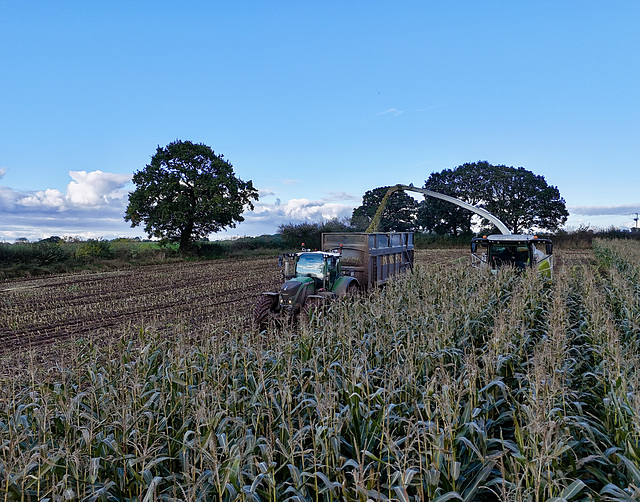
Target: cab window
514, 255
310, 265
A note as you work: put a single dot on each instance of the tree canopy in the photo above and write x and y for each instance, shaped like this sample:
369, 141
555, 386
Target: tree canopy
398, 216
310, 234
520, 198
187, 192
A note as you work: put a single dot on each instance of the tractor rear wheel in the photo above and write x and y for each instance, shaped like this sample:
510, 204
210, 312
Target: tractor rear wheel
264, 312
352, 290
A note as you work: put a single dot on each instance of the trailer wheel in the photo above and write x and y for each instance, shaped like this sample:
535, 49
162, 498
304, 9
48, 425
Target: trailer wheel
263, 312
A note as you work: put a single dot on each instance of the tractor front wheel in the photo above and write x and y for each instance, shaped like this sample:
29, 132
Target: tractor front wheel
264, 312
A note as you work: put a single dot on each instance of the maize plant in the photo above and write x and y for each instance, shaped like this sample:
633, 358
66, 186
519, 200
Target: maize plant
451, 383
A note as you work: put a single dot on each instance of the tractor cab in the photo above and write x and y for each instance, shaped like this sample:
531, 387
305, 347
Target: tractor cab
310, 274
519, 251
323, 267
318, 265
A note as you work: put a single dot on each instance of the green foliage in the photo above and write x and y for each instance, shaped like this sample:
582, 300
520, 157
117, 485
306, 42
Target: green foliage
259, 243
40, 254
250, 246
95, 249
518, 197
398, 216
187, 192
51, 251
136, 251
310, 234
432, 241
584, 236
54, 239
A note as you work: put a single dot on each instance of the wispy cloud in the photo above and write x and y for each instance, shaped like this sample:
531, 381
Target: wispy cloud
3, 171
342, 196
621, 210
391, 111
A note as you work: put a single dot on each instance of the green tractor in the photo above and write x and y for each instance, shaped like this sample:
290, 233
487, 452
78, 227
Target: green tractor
311, 279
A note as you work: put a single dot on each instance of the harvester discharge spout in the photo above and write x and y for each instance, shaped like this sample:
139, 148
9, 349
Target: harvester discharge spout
375, 222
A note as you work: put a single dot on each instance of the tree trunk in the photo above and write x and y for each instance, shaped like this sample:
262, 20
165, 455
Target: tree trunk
185, 239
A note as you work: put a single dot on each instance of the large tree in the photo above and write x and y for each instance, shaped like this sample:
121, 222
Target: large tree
462, 183
187, 192
398, 216
521, 199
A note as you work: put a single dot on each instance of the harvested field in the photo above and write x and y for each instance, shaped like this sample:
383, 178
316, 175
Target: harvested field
39, 312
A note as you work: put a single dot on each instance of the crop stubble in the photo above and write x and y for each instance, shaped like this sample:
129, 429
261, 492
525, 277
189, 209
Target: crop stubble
39, 312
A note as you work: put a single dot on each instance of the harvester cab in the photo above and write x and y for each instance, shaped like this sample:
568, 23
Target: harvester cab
519, 251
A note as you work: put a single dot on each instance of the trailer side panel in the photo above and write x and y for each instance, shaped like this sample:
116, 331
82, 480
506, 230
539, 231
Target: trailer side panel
372, 258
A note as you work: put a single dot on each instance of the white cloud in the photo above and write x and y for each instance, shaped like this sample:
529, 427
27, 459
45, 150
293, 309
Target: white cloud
305, 209
93, 205
3, 171
267, 217
47, 198
298, 210
95, 188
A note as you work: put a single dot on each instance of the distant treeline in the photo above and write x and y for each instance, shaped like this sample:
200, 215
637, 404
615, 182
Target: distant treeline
55, 255
310, 234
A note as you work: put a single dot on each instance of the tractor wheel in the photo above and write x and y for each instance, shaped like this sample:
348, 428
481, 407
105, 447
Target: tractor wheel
352, 291
310, 311
263, 312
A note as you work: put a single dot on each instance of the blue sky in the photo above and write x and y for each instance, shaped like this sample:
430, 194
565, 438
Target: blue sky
316, 102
